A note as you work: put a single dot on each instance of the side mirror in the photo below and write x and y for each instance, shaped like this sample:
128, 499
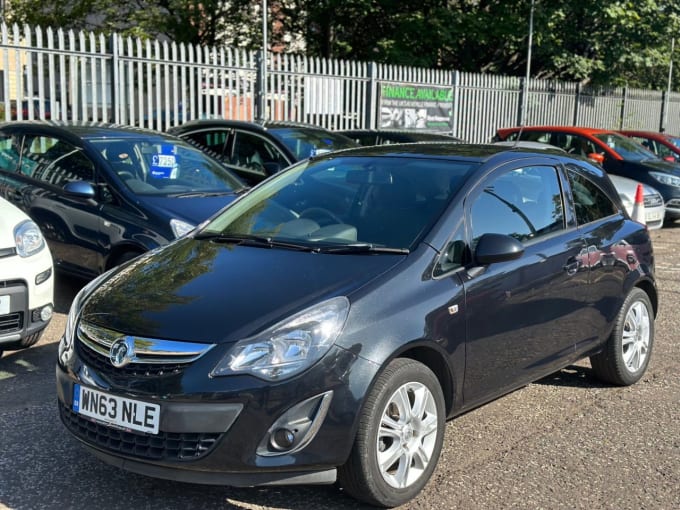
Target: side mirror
80, 189
493, 248
596, 157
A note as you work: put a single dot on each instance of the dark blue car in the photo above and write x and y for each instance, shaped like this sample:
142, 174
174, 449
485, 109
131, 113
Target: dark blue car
104, 194
326, 324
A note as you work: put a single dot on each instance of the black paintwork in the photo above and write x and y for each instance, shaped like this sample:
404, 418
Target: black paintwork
89, 233
484, 329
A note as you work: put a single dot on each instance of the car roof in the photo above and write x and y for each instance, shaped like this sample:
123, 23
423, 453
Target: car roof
557, 129
481, 153
648, 134
86, 130
241, 124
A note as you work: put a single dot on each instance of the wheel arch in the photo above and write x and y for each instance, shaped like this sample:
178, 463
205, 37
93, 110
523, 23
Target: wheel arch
650, 290
436, 361
120, 249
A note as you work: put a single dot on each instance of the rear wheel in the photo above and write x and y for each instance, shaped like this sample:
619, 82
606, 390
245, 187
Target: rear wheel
400, 436
626, 354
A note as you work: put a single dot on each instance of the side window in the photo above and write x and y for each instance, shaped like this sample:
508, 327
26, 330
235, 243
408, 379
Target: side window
256, 154
535, 136
590, 202
57, 162
580, 146
525, 203
10, 151
213, 141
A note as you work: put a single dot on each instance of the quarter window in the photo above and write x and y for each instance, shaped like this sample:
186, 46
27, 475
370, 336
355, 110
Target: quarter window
590, 202
525, 203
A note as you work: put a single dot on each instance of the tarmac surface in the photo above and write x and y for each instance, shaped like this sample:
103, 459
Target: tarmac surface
564, 442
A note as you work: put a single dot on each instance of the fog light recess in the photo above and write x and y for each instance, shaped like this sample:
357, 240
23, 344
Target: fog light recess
296, 427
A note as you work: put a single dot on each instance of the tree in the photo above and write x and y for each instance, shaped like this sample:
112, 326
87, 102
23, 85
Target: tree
603, 42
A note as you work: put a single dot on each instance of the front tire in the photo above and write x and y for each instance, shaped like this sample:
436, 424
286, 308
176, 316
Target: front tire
626, 354
400, 436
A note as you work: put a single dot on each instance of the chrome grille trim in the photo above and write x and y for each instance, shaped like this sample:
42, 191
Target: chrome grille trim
147, 350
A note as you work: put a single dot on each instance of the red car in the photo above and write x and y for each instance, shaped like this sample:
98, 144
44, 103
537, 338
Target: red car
663, 145
618, 155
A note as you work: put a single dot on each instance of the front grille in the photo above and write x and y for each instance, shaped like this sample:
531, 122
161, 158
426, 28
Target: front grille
11, 322
147, 357
102, 365
653, 200
164, 446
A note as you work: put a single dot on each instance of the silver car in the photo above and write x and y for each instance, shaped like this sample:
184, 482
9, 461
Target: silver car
655, 210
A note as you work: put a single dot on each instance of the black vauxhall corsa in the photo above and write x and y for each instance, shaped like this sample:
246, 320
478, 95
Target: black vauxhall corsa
326, 324
102, 194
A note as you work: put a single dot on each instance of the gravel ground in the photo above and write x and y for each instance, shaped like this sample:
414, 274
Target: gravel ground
566, 441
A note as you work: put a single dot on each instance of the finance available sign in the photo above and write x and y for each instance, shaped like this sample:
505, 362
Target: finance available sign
415, 107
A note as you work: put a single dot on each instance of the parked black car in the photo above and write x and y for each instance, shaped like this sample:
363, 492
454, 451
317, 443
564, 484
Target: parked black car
255, 151
328, 322
103, 194
385, 136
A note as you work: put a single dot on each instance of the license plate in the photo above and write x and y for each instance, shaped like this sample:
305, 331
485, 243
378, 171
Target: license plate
118, 411
4, 305
653, 216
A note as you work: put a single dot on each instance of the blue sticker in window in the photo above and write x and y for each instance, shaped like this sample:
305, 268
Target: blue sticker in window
164, 164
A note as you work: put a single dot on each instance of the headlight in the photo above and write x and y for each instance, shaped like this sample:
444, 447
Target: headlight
664, 178
67, 340
28, 239
289, 347
179, 227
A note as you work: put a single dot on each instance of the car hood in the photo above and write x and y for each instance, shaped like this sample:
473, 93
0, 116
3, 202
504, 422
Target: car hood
658, 165
215, 293
628, 187
192, 208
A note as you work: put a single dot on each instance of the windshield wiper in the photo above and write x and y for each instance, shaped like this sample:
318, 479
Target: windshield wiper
360, 248
192, 194
253, 240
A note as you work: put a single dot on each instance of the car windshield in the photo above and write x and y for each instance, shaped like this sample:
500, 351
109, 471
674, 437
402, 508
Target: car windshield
344, 204
306, 142
625, 147
151, 165
674, 140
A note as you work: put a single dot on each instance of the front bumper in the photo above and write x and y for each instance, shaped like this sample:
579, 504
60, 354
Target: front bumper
212, 430
28, 285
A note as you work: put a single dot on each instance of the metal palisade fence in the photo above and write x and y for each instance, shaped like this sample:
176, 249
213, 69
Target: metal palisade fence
84, 76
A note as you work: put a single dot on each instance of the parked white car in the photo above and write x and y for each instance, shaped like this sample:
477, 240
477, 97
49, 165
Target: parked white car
26, 280
655, 210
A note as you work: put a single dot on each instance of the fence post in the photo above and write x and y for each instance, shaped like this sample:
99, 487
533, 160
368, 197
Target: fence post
371, 99
520, 104
454, 106
260, 92
623, 107
115, 79
664, 109
577, 104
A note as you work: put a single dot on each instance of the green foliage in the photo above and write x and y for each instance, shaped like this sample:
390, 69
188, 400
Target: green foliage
603, 42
